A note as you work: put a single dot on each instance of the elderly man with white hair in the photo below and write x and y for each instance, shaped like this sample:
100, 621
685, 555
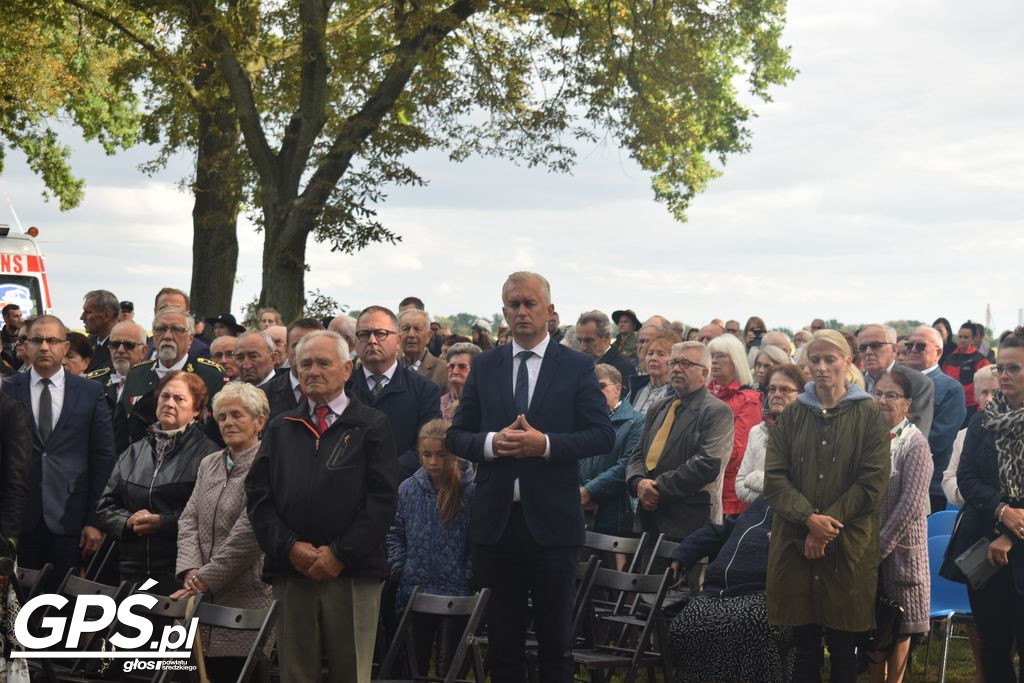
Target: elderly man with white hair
322, 492
173, 329
877, 347
256, 357
924, 348
345, 325
127, 347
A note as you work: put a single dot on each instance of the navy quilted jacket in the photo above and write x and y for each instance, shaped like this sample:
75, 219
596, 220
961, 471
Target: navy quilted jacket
427, 553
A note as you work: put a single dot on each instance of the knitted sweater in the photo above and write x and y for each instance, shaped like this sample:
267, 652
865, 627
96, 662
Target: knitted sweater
427, 553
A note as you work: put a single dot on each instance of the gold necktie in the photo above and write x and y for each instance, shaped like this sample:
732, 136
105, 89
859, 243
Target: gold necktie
658, 445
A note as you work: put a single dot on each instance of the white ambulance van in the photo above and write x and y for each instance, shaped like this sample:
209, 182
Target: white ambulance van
22, 273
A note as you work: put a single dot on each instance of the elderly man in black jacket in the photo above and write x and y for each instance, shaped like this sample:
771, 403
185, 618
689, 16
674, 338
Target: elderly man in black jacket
676, 470
321, 494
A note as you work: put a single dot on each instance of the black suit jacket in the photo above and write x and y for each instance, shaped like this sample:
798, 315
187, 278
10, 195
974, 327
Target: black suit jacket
568, 407
409, 401
625, 367
15, 465
65, 485
279, 394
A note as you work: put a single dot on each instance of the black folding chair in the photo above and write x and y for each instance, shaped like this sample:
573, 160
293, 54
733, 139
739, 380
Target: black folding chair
32, 581
239, 619
472, 607
649, 632
163, 613
625, 545
71, 588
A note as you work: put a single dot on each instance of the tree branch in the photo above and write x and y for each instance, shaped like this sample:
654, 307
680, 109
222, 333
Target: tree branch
159, 56
359, 126
240, 86
308, 120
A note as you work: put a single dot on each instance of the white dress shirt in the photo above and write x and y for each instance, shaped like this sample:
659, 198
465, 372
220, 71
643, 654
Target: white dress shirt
337, 407
56, 394
272, 375
533, 364
161, 370
296, 389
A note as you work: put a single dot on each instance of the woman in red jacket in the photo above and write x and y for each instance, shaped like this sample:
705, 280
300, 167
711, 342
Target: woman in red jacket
730, 380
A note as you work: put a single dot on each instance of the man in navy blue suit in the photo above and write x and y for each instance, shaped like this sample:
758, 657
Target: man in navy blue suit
530, 410
72, 454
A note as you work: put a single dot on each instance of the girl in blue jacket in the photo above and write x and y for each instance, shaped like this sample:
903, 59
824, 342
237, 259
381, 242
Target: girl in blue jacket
428, 544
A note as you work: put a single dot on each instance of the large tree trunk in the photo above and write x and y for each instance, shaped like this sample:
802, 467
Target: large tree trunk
217, 189
284, 265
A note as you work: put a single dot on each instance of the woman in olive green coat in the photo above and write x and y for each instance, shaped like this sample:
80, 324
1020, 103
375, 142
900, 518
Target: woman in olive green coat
826, 471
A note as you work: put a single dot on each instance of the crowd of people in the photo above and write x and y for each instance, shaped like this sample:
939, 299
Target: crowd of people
312, 461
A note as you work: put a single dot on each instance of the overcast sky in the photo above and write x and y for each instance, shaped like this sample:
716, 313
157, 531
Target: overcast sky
884, 182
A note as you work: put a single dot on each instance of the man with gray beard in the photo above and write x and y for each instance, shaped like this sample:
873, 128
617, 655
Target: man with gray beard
172, 335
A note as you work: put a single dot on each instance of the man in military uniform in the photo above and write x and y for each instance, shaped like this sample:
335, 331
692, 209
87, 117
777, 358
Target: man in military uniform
127, 346
172, 335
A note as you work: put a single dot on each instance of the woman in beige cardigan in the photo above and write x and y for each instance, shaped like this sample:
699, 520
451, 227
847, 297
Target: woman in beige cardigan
217, 551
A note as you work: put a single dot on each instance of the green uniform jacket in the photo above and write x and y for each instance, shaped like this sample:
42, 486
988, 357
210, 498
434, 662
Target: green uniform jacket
138, 399
833, 462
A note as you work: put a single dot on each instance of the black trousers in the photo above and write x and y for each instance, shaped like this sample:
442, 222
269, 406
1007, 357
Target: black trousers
999, 614
445, 632
39, 545
518, 570
842, 651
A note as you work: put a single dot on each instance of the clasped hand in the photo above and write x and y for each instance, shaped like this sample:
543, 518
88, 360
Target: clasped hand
519, 440
648, 494
144, 523
318, 564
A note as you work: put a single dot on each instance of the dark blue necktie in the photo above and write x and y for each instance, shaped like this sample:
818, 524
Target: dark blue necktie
522, 393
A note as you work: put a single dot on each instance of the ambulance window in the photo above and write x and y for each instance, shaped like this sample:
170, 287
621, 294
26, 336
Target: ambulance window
21, 290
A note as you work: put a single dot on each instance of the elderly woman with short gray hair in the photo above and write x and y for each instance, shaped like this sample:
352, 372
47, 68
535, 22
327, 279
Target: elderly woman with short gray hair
460, 359
217, 552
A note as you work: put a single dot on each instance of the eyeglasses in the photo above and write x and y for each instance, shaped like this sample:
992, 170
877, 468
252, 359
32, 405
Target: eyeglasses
50, 341
160, 330
684, 364
779, 389
460, 366
379, 335
874, 346
605, 385
916, 346
128, 345
887, 395
22, 339
1011, 369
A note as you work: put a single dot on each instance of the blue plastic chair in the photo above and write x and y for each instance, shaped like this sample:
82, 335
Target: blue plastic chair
941, 523
948, 599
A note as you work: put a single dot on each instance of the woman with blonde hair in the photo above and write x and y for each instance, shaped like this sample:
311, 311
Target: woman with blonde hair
826, 472
730, 381
428, 544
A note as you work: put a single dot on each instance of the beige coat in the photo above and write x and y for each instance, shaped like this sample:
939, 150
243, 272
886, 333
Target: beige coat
214, 535
435, 369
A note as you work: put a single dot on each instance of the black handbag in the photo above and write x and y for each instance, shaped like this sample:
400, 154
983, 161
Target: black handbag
881, 639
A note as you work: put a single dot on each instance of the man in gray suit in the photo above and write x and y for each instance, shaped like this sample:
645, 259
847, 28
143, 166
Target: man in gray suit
676, 470
877, 346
